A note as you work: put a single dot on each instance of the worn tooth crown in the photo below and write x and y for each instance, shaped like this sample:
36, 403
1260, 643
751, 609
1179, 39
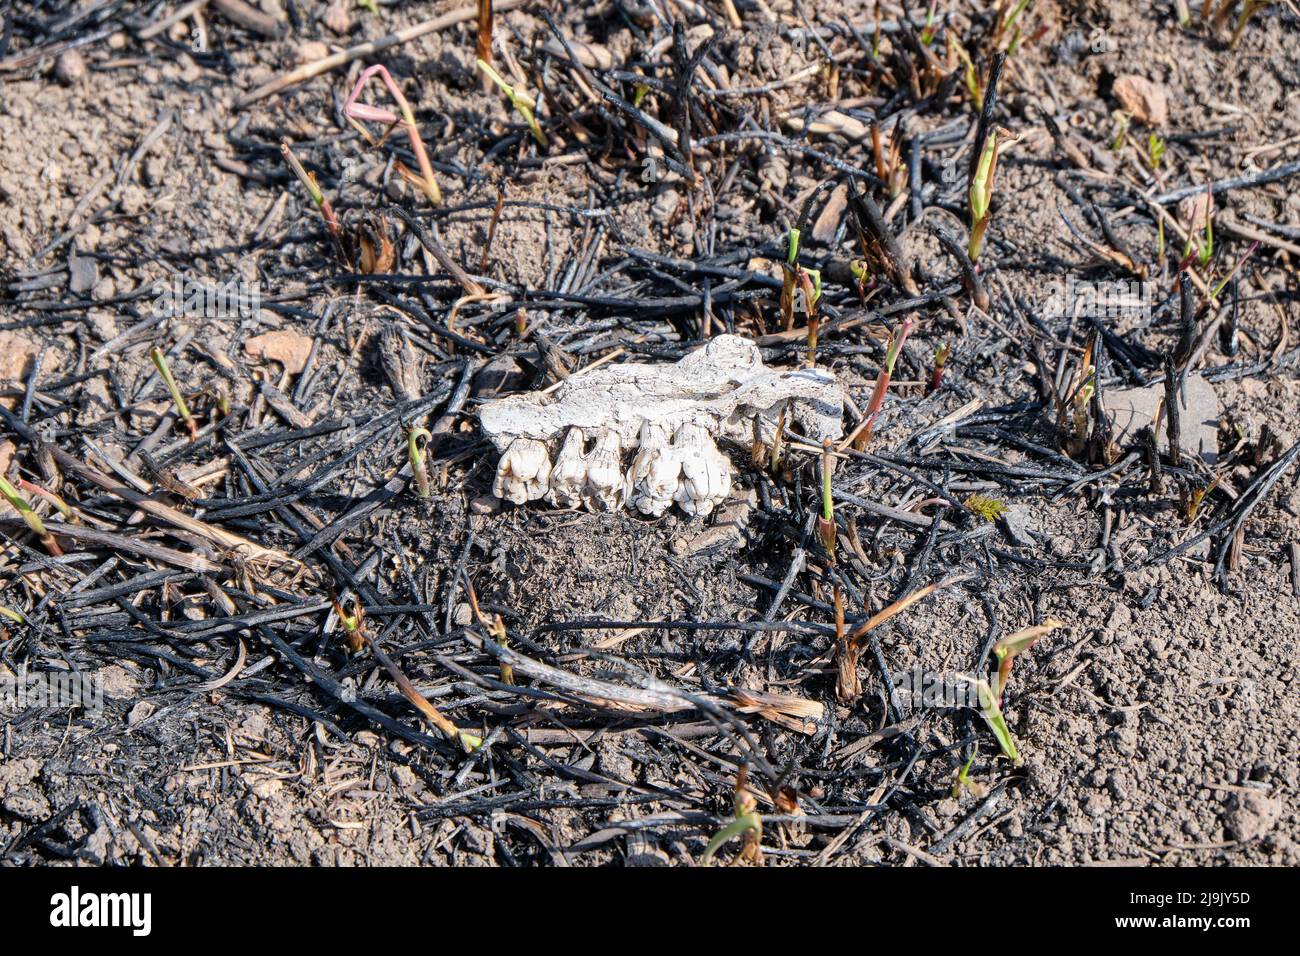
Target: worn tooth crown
606, 488
656, 472
706, 474
524, 472
569, 476
672, 414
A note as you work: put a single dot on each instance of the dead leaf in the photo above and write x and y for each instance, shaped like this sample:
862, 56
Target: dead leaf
288, 348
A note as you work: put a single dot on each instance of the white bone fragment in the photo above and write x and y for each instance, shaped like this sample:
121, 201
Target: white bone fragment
656, 472
722, 391
524, 472
569, 476
706, 473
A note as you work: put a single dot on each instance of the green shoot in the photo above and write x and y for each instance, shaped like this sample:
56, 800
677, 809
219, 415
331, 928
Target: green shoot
353, 626
183, 410
1006, 649
963, 782
517, 100
992, 714
1184, 15
369, 5
308, 181
15, 616
981, 195
415, 440
940, 362
1233, 271
1155, 151
861, 435
826, 523
63, 507
927, 34
745, 823
1121, 131
968, 73
790, 276
30, 517
357, 112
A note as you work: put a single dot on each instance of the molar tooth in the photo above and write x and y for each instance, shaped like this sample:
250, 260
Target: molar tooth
606, 487
656, 472
524, 472
569, 476
706, 473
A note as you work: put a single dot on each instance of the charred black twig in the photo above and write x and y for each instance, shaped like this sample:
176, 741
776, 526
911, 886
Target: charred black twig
970, 275
877, 239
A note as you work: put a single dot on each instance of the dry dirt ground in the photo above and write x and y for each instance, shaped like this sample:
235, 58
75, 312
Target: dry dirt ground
1157, 726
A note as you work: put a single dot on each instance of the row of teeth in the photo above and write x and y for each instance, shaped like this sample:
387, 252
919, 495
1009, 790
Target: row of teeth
685, 468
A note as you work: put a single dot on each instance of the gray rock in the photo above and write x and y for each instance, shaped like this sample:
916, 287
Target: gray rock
1131, 409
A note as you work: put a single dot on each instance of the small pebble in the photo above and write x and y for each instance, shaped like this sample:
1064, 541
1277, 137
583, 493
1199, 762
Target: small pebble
70, 68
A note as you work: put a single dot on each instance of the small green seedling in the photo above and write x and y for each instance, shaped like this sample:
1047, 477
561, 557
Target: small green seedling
357, 638
182, 410
1010, 646
927, 33
415, 443
15, 616
790, 276
745, 823
1233, 271
1011, 24
357, 112
520, 102
1202, 244
861, 435
30, 517
353, 624
826, 523
981, 195
63, 507
963, 782
940, 362
1155, 151
992, 714
970, 76
332, 224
